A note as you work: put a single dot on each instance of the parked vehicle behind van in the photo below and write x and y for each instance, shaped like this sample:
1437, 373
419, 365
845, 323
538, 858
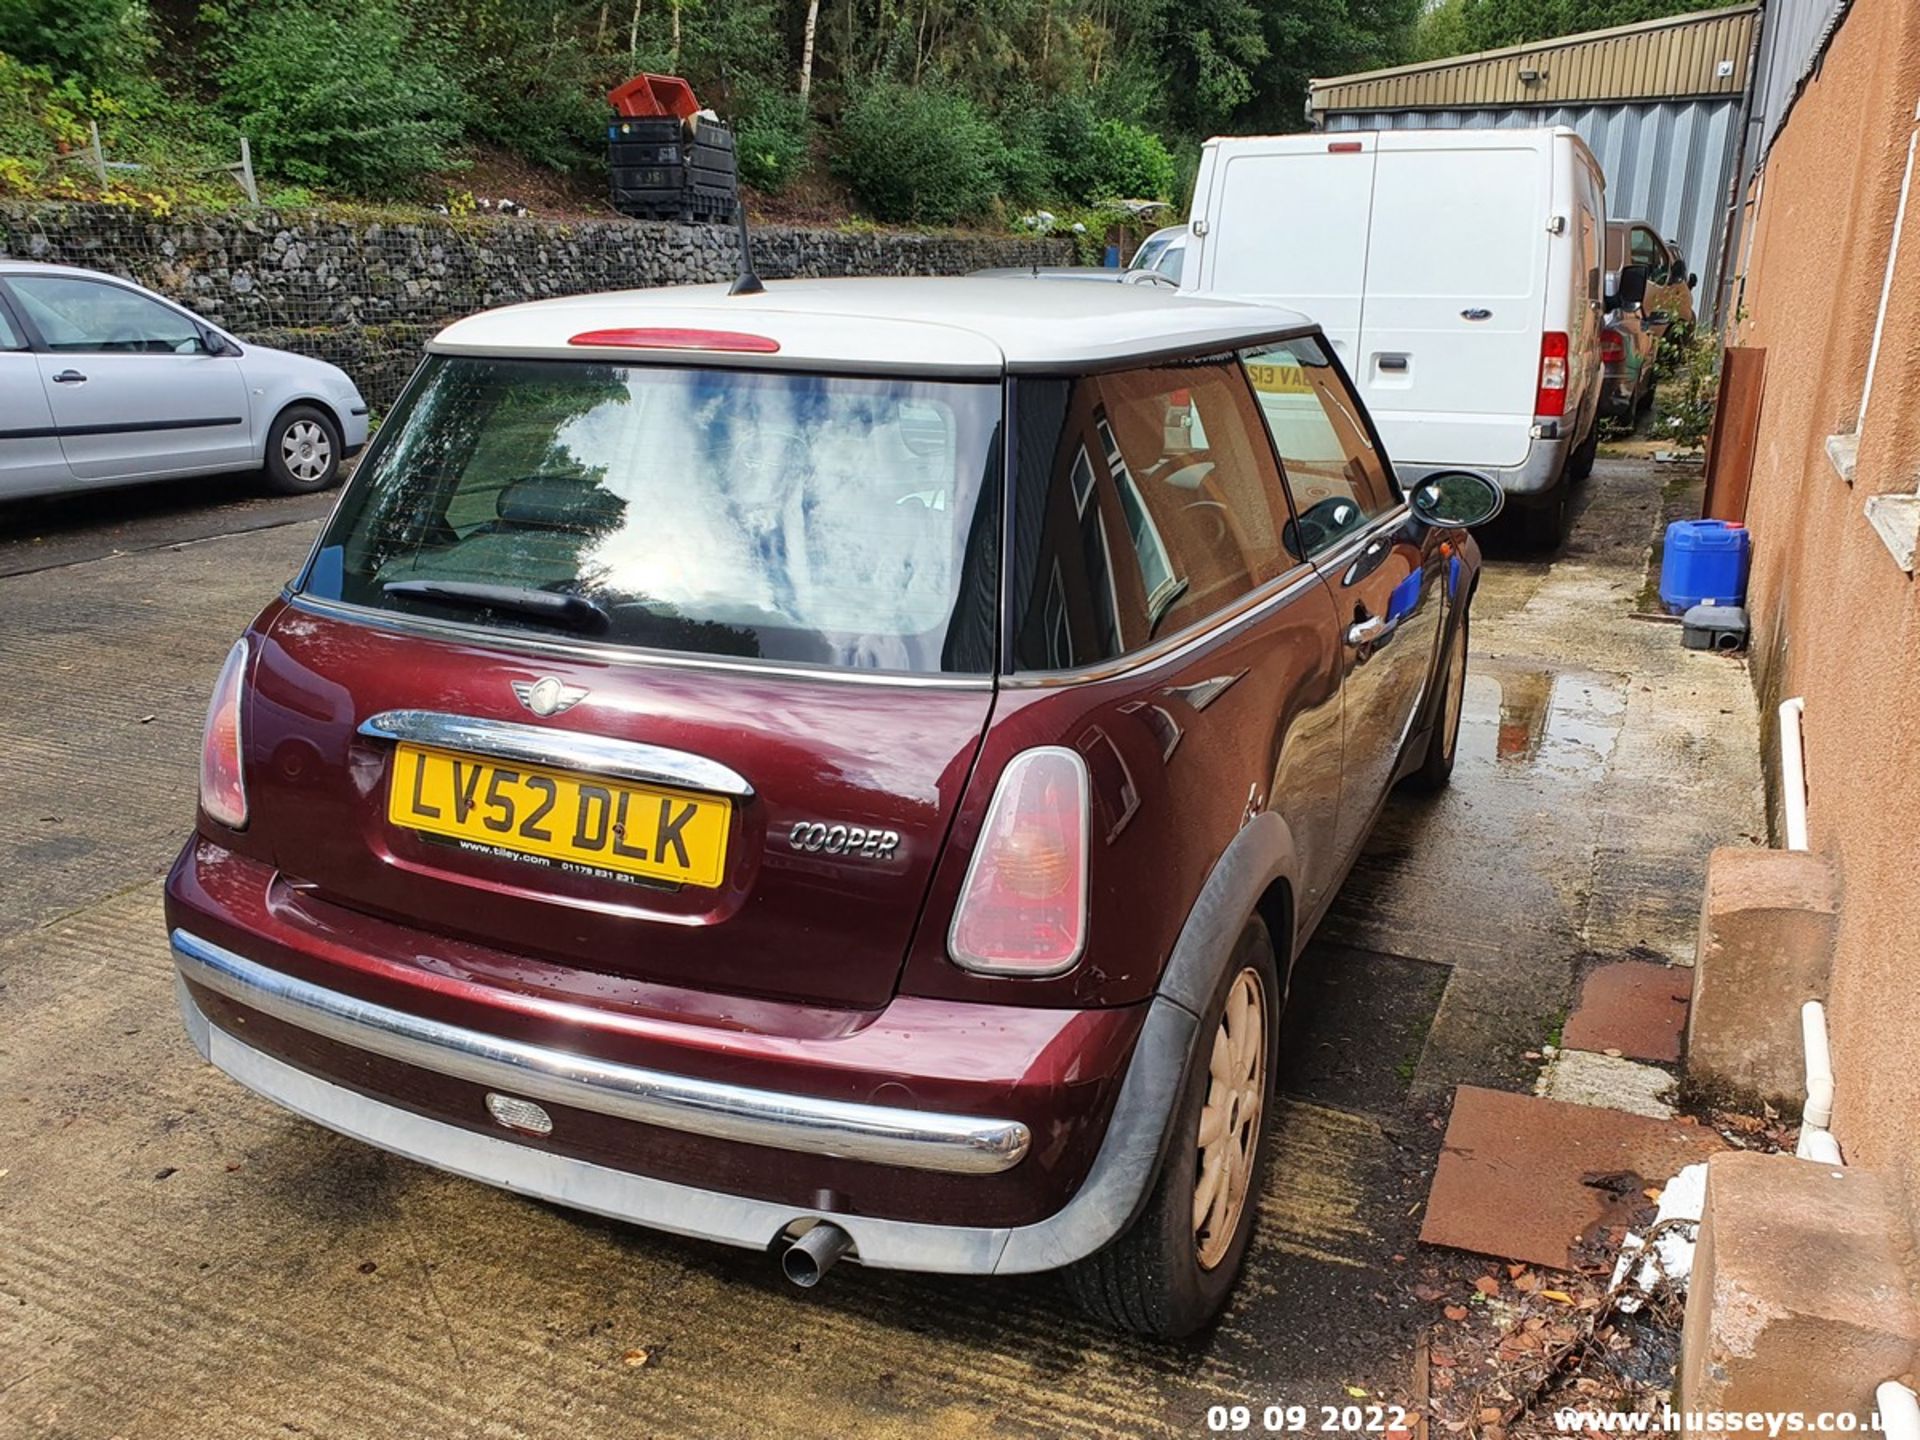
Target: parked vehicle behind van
1457, 272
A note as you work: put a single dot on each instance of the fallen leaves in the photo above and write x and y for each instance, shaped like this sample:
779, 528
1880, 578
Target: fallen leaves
1487, 1286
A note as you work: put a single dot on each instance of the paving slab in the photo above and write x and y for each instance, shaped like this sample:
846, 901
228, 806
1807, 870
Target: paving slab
1586, 1077
1541, 1180
1633, 1007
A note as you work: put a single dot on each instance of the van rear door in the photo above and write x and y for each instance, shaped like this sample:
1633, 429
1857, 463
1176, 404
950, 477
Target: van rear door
1287, 222
1449, 352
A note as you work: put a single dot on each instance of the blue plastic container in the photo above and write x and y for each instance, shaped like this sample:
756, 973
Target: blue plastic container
1705, 563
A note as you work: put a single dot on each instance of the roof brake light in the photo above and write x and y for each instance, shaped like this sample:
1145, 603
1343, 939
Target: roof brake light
678, 339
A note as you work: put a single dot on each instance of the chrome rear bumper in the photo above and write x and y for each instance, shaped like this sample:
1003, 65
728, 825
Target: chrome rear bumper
881, 1135
1104, 1205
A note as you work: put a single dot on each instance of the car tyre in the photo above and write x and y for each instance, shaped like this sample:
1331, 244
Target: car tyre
1443, 741
1544, 521
1168, 1275
1580, 462
303, 451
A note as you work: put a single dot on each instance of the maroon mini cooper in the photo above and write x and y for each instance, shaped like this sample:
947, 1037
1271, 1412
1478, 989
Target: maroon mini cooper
844, 770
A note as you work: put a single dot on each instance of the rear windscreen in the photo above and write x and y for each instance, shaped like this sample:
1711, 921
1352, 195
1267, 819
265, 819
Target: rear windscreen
801, 518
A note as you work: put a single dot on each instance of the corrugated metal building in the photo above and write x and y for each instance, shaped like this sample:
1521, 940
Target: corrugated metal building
1659, 103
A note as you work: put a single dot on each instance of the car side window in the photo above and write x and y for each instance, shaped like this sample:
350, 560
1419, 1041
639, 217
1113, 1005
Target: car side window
1644, 249
1338, 480
87, 315
10, 338
1145, 501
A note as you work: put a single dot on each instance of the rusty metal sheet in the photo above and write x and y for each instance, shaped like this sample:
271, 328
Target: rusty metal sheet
1736, 428
1542, 1181
1633, 1007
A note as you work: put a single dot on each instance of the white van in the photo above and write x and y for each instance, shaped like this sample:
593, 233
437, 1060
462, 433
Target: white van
1458, 273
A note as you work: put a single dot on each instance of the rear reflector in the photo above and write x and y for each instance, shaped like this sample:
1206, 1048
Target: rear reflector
223, 787
1345, 147
1023, 908
676, 339
1551, 398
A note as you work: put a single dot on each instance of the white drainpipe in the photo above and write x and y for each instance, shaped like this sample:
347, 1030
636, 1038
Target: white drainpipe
1816, 1140
1899, 1411
1793, 772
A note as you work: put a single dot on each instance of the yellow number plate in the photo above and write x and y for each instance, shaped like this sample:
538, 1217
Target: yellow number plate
1279, 379
554, 817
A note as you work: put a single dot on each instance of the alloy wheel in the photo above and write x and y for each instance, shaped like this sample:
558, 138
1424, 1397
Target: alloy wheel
1230, 1121
306, 450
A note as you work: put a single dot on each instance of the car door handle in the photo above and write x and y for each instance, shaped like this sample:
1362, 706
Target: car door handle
1367, 631
69, 377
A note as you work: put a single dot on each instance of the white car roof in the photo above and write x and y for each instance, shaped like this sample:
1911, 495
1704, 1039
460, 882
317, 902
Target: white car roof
970, 325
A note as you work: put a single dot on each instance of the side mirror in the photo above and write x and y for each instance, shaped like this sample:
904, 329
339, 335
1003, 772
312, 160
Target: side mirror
214, 343
1630, 290
1456, 500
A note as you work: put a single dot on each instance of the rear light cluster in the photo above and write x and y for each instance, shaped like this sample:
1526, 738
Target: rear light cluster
223, 788
1551, 398
1023, 908
1613, 349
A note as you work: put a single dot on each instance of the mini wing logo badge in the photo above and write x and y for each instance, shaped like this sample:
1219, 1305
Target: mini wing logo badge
547, 696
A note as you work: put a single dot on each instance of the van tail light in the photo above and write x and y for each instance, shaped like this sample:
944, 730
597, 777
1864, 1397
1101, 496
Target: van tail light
223, 787
1551, 398
1023, 908
1612, 348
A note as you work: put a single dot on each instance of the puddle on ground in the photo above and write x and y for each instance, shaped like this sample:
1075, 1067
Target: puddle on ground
1563, 722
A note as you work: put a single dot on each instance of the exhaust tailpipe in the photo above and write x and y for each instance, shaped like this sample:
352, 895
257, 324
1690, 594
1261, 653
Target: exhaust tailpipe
814, 1253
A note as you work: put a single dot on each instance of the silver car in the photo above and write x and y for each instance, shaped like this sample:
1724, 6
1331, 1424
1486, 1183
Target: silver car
103, 383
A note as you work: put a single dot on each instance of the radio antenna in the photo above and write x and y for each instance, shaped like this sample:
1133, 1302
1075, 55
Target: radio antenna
746, 282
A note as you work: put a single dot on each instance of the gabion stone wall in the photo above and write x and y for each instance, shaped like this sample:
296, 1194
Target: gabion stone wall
367, 294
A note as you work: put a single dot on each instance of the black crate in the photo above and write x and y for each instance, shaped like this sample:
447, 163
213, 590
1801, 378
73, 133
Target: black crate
646, 130
636, 152
649, 177
655, 172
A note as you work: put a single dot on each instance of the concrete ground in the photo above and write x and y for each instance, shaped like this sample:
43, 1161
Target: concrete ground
179, 1259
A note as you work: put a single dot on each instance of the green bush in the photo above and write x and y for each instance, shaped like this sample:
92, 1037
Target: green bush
770, 137
91, 40
922, 154
1097, 159
339, 94
1026, 160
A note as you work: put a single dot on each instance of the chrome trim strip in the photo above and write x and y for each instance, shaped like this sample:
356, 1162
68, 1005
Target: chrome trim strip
1099, 1210
1279, 589
517, 641
566, 749
875, 1134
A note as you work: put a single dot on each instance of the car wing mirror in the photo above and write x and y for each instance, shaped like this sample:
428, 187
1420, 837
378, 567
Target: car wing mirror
214, 343
1456, 500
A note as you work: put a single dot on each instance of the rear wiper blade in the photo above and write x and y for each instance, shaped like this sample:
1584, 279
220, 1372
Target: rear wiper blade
575, 612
